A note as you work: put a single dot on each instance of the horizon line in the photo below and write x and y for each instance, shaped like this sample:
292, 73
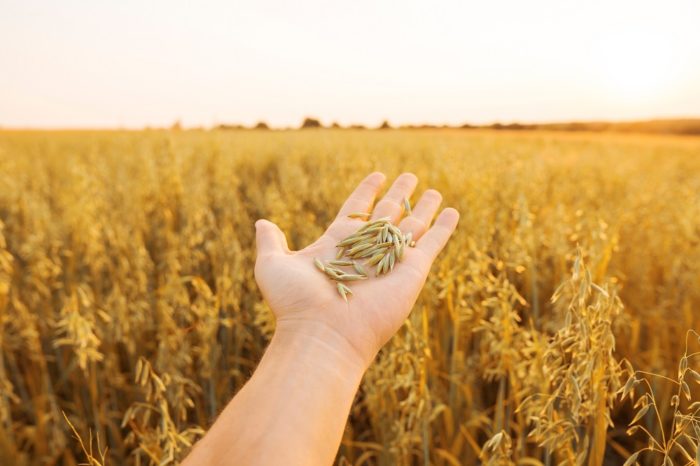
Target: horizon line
355, 125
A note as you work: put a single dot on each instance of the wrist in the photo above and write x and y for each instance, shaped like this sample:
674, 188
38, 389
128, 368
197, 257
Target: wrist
322, 345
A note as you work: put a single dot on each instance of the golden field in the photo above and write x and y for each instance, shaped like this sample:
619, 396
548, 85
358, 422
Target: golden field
573, 279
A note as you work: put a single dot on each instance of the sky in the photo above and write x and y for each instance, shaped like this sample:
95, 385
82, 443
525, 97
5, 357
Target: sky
149, 63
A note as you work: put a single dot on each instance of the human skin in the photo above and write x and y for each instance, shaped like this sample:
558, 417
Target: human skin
294, 408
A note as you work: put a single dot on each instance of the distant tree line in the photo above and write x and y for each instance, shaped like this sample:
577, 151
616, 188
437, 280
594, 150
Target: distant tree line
688, 126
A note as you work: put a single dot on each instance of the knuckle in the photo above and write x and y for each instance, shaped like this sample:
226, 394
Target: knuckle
433, 195
415, 223
390, 203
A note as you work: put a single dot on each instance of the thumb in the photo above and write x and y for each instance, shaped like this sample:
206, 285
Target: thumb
269, 238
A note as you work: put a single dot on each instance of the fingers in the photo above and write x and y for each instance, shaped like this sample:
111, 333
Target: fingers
391, 204
269, 238
436, 237
422, 215
362, 198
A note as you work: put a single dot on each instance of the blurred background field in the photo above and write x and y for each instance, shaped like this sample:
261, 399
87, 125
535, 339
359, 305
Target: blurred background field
130, 253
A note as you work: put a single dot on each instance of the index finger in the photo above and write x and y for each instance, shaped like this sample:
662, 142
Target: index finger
362, 198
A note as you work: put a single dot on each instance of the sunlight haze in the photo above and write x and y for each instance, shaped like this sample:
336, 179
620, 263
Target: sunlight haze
132, 64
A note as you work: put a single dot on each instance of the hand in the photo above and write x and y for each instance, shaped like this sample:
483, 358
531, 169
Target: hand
305, 301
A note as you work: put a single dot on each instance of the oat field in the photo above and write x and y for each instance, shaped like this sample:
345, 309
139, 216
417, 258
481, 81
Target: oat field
561, 312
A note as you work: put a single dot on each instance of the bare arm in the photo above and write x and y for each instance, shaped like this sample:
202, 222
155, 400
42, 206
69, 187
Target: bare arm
293, 409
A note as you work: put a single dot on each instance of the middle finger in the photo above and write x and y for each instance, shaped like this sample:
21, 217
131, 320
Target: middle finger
391, 204
422, 214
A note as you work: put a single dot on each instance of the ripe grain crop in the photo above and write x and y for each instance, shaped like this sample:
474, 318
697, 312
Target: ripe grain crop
556, 328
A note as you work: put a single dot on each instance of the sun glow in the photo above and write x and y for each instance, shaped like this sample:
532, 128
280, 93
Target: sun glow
636, 65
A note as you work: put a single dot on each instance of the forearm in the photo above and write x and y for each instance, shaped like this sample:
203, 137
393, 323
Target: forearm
293, 409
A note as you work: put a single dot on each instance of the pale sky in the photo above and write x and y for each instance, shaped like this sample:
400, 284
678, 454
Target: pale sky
134, 63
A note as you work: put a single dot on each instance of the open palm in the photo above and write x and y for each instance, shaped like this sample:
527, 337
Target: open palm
304, 299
